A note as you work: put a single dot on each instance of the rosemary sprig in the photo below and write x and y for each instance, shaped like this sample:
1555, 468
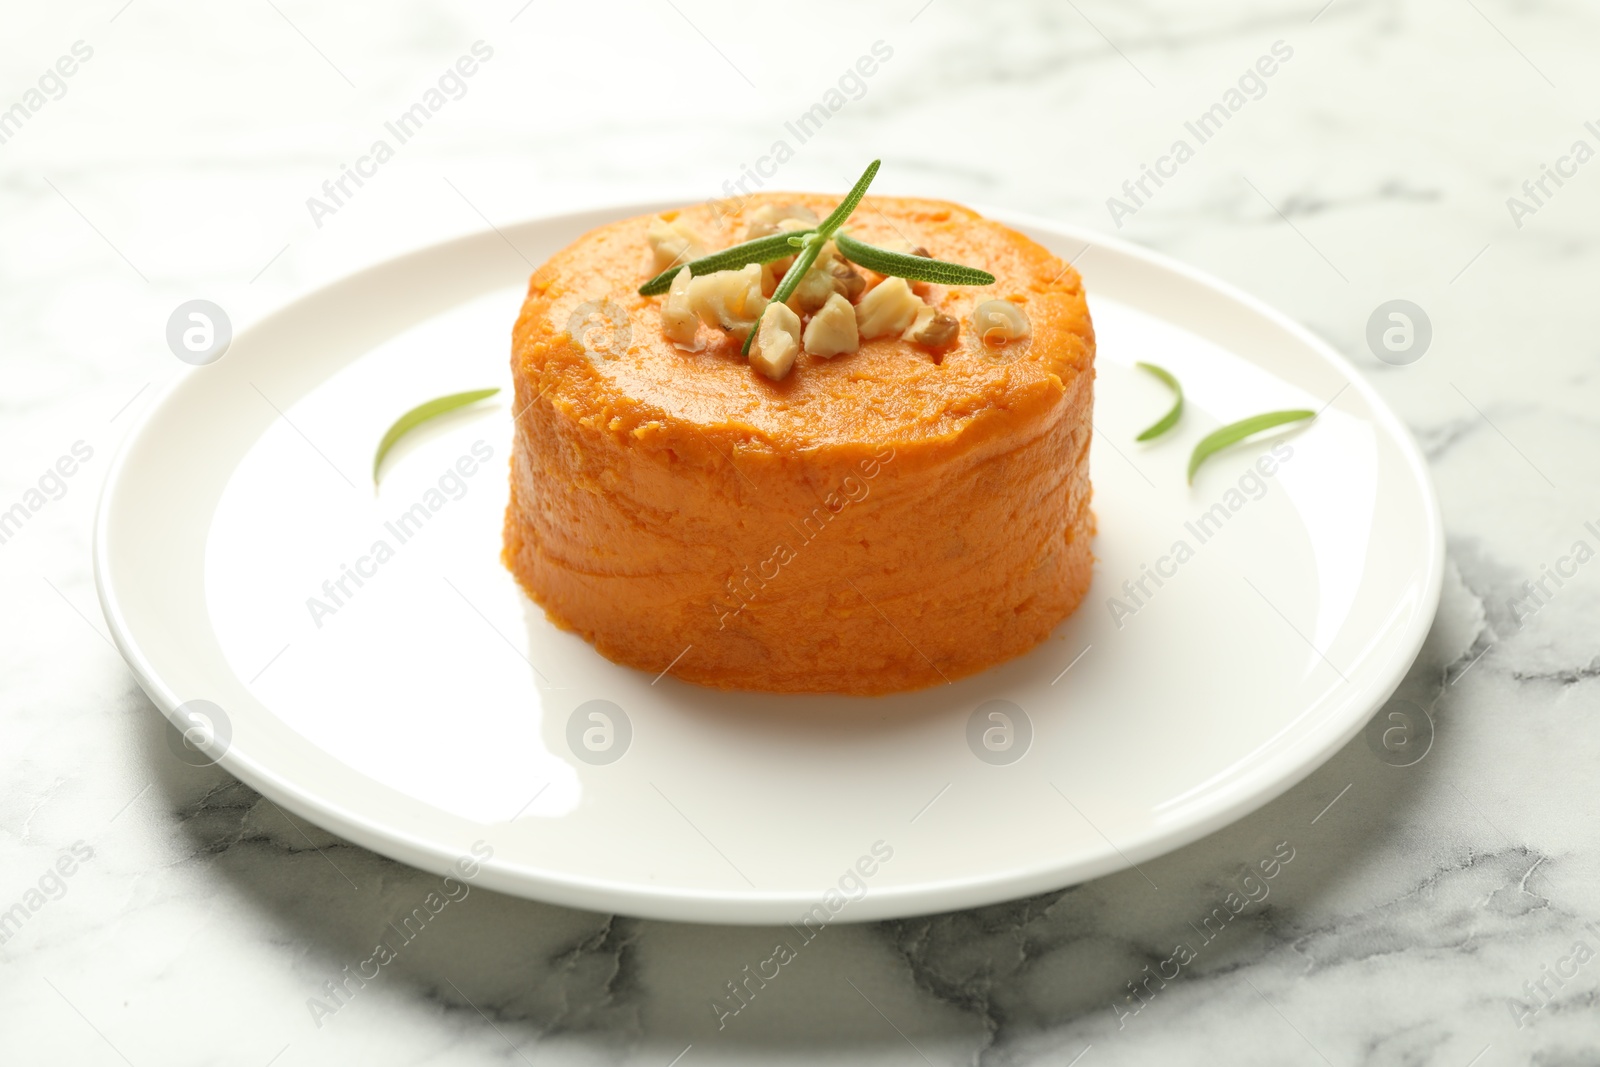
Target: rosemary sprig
810, 243
761, 250
774, 246
421, 414
1235, 432
851, 201
1170, 419
912, 268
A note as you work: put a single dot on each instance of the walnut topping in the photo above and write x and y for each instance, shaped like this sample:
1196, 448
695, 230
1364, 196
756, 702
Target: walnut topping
932, 329
777, 341
890, 308
832, 330
673, 242
846, 279
730, 300
678, 320
813, 290
830, 274
999, 321
830, 311
770, 218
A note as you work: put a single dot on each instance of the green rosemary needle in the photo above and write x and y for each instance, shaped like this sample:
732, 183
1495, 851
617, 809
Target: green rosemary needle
912, 268
851, 201
1170, 419
421, 414
1235, 432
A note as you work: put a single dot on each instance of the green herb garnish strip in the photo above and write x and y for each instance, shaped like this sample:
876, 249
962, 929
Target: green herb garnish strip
851, 201
912, 268
421, 414
810, 244
761, 250
1235, 432
1170, 419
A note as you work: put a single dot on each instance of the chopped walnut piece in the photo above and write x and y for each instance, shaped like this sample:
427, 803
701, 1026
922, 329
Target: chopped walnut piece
770, 218
730, 300
998, 321
777, 341
889, 308
832, 330
932, 329
846, 279
678, 320
673, 242
830, 274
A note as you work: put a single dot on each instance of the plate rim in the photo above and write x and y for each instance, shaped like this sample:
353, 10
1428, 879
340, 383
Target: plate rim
757, 907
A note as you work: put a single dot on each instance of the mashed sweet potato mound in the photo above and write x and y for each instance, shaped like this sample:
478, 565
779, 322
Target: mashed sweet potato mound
873, 522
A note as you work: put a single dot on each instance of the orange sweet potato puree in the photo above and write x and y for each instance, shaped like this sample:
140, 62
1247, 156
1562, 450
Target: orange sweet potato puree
872, 523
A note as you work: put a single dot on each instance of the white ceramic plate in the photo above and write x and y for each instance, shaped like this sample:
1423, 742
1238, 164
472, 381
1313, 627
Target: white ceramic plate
434, 707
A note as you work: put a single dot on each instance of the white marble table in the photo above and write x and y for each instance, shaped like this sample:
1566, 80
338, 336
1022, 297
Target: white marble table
1432, 914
